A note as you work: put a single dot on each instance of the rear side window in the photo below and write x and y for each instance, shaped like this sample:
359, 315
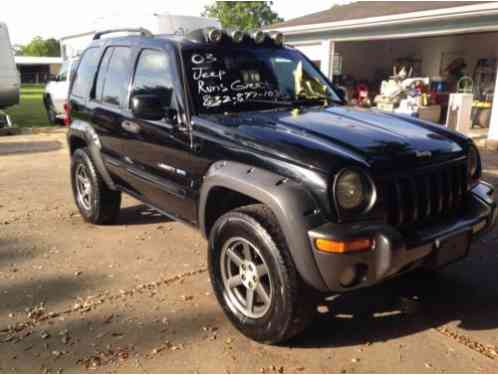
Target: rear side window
154, 76
114, 83
86, 73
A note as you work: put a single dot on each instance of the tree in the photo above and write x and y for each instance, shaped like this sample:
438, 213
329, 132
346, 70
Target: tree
41, 47
243, 15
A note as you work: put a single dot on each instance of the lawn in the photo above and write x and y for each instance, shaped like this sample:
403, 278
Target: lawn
30, 112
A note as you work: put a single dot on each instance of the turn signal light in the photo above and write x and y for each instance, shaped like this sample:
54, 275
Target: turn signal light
340, 247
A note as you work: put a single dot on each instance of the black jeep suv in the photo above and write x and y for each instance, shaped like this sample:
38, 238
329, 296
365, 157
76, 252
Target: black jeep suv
298, 195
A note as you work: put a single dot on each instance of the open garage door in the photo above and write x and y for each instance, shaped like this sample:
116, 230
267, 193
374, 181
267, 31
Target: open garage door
447, 65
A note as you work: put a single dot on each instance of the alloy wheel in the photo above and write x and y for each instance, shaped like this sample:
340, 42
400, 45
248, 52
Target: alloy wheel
246, 278
83, 187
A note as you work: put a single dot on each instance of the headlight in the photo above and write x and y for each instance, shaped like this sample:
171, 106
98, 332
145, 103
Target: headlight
473, 162
353, 191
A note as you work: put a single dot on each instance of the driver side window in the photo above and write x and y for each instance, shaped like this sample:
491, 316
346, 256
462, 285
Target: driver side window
153, 76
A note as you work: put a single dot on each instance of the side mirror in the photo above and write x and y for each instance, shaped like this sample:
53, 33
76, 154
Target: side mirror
147, 107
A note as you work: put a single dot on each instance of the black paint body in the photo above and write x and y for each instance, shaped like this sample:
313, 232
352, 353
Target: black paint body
276, 157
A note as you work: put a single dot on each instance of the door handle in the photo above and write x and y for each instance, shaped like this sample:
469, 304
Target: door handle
131, 127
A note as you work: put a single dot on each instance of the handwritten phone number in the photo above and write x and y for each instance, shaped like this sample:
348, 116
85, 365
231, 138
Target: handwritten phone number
211, 101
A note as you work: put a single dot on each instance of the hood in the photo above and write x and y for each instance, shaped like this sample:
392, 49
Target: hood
317, 137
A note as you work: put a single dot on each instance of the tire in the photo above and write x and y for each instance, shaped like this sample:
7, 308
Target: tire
51, 114
290, 308
101, 205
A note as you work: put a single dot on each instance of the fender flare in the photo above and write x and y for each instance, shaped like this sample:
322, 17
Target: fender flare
294, 207
84, 132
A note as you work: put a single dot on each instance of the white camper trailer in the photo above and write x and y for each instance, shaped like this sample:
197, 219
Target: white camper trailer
157, 23
72, 46
9, 77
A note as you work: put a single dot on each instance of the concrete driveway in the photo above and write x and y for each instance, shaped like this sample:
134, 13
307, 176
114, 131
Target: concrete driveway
136, 296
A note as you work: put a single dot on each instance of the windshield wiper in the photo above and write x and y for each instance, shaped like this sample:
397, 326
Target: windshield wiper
297, 102
322, 99
281, 103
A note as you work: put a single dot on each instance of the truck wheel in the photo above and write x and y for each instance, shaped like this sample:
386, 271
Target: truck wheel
254, 277
96, 202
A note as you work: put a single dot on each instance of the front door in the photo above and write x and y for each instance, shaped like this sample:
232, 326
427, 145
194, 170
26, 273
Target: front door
158, 152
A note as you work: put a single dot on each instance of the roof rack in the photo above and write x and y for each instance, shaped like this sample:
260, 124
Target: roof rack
140, 30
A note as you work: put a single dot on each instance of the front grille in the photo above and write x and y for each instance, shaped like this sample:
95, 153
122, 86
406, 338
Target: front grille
426, 194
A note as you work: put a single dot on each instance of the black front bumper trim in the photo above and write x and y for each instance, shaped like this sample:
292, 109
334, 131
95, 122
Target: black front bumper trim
395, 253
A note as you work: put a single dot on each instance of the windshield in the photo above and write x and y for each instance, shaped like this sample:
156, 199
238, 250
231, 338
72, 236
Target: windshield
248, 79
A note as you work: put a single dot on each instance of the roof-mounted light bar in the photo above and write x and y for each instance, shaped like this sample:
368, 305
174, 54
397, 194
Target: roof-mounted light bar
215, 35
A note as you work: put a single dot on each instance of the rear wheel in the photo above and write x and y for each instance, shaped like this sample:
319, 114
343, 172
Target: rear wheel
254, 277
51, 114
96, 202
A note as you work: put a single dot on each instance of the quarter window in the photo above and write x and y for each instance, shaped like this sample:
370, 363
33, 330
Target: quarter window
153, 76
86, 73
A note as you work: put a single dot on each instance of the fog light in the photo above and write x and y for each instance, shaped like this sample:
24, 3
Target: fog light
340, 247
353, 275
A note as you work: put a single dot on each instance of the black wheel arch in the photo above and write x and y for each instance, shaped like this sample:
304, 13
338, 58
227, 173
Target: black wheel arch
82, 135
294, 207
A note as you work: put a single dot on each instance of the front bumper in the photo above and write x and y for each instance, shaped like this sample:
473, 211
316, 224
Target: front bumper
394, 253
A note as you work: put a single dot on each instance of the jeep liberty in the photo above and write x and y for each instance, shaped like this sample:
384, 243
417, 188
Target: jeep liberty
298, 195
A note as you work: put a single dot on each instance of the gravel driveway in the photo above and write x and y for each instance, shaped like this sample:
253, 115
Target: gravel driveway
136, 296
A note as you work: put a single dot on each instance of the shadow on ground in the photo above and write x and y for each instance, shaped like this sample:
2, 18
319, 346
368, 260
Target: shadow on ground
9, 148
140, 215
466, 292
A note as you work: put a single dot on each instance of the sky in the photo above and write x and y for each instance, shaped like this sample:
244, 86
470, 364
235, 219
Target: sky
56, 18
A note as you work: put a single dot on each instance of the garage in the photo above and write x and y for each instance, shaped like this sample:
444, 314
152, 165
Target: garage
433, 60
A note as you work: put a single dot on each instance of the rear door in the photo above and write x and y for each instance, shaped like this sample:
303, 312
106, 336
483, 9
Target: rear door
106, 105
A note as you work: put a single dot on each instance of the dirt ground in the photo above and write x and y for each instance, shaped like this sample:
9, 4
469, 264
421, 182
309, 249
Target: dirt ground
135, 296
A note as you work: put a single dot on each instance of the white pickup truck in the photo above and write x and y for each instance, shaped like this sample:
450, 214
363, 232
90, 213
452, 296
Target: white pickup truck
9, 76
56, 92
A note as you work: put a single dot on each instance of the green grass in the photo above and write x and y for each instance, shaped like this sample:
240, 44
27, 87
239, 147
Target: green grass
30, 113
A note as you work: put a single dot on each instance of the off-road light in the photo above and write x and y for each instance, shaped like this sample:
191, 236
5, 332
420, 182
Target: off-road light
237, 36
258, 36
215, 35
277, 37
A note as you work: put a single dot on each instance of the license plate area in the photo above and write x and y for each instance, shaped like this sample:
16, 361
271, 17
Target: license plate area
452, 249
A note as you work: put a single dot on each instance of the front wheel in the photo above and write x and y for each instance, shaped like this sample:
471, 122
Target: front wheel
96, 202
254, 277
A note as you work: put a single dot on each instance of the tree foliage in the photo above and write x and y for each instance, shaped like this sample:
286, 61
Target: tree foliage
41, 47
243, 15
